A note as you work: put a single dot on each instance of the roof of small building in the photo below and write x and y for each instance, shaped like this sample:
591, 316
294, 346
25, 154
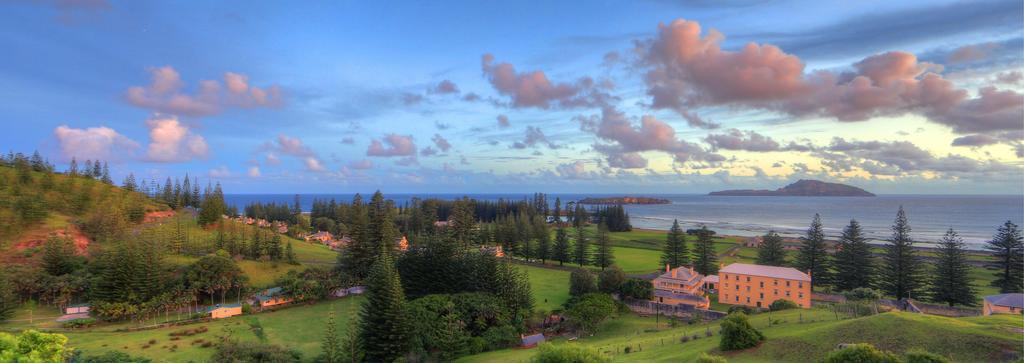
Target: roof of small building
683, 273
533, 339
687, 297
1009, 300
79, 305
269, 293
223, 306
787, 273
711, 278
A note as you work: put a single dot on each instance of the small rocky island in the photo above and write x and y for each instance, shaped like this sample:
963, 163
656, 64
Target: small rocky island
802, 188
623, 200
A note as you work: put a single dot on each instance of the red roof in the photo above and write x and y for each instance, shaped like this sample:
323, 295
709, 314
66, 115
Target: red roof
787, 273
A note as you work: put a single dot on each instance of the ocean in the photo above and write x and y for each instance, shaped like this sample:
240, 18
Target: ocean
974, 217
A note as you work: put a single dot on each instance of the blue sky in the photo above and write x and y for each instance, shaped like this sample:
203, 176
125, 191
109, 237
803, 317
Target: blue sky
897, 97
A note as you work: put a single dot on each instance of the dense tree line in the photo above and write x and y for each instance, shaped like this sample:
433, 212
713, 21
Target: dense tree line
900, 271
614, 217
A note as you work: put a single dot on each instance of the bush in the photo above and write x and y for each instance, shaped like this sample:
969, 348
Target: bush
565, 353
862, 293
79, 323
581, 282
590, 310
112, 357
500, 337
920, 356
246, 308
782, 304
610, 280
742, 309
860, 353
706, 358
737, 333
234, 351
638, 289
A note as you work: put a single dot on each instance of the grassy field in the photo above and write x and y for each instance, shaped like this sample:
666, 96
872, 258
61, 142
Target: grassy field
550, 287
965, 339
263, 274
300, 328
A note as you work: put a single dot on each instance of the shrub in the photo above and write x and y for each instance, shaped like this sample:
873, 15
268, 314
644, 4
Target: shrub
246, 308
610, 280
565, 353
862, 293
79, 323
638, 289
581, 282
590, 310
707, 358
860, 353
920, 356
233, 351
737, 333
500, 337
741, 308
783, 304
112, 357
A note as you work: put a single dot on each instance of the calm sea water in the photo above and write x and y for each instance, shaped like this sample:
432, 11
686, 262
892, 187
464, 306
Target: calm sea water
974, 217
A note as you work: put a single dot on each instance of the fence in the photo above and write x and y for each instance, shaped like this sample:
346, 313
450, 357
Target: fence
680, 311
943, 310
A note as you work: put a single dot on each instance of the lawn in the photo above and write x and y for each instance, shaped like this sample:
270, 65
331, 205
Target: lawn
550, 287
263, 274
802, 335
300, 328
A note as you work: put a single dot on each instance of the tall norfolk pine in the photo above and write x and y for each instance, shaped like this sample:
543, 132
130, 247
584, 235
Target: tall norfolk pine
813, 257
1008, 250
951, 281
675, 253
901, 270
853, 262
771, 252
384, 330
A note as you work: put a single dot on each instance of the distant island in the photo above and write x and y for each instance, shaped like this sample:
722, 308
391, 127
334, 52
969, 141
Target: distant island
624, 200
802, 188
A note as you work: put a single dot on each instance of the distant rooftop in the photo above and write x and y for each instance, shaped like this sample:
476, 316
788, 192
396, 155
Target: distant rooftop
787, 273
1008, 300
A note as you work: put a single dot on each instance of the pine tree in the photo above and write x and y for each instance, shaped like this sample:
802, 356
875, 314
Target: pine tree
853, 262
705, 260
561, 251
289, 254
97, 170
812, 257
771, 252
186, 192
129, 183
58, 255
331, 345
540, 231
581, 249
900, 271
105, 174
384, 329
951, 282
675, 253
1008, 250
8, 300
352, 344
358, 256
604, 256
73, 168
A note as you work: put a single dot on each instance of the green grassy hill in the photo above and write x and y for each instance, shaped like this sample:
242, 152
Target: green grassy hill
982, 339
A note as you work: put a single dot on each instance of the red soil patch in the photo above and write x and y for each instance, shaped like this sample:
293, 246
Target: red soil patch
38, 238
156, 216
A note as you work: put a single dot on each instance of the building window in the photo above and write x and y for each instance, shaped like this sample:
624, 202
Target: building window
800, 285
737, 287
737, 299
748, 278
787, 283
787, 293
737, 277
776, 282
762, 295
776, 292
762, 284
801, 295
748, 300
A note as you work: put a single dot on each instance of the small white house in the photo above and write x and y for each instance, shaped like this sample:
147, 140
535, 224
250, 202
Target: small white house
77, 309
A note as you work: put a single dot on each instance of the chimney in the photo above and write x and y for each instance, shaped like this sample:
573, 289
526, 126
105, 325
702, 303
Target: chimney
691, 270
667, 268
808, 273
